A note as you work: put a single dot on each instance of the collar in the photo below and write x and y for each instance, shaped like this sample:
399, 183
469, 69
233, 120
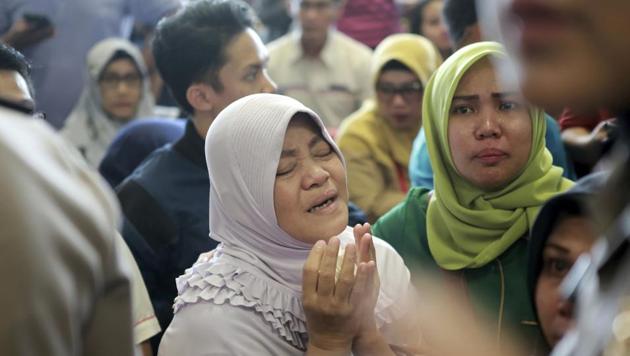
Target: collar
327, 54
192, 146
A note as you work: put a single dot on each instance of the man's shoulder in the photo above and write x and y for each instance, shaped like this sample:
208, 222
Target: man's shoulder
159, 161
284, 43
348, 43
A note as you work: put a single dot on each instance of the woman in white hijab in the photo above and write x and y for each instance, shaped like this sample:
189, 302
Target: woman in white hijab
116, 91
277, 194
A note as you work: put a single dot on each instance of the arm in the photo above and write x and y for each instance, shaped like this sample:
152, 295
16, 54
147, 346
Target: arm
22, 34
584, 146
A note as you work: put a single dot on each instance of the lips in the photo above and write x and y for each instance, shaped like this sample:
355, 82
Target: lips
491, 156
324, 202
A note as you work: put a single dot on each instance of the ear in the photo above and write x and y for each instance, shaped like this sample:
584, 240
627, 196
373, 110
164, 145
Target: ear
201, 96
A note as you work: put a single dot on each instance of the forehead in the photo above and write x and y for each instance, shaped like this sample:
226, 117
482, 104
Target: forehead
120, 65
433, 8
396, 76
480, 77
245, 49
575, 233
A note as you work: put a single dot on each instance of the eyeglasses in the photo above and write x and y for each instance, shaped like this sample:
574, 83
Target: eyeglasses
408, 91
113, 81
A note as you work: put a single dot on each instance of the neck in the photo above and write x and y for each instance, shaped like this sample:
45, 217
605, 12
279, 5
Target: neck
312, 48
202, 122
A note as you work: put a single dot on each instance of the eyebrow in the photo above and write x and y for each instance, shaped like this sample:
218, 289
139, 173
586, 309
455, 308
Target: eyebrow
476, 97
558, 248
293, 152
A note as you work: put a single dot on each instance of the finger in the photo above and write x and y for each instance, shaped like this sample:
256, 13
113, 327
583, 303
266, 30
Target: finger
346, 276
360, 290
364, 248
311, 267
327, 268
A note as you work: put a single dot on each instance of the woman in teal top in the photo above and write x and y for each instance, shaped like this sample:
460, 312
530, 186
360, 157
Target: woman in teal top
492, 174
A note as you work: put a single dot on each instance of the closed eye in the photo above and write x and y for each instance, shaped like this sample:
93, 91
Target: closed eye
283, 171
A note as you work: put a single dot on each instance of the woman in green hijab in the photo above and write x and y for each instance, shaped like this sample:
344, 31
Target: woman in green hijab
492, 174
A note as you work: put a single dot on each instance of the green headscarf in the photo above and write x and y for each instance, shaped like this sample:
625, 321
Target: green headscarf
467, 227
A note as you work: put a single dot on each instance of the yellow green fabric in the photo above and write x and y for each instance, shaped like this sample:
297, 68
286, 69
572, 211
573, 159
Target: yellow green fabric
373, 148
467, 227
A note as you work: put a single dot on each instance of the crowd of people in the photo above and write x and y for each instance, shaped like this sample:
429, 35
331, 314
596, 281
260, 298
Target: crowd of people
318, 177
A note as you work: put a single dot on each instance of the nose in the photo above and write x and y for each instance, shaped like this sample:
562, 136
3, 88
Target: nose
268, 85
315, 176
398, 99
565, 308
489, 126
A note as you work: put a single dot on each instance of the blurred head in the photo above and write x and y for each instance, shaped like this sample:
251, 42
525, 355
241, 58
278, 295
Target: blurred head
399, 96
209, 55
489, 129
15, 78
401, 66
316, 17
426, 20
571, 236
117, 86
120, 85
572, 53
310, 193
460, 17
563, 231
133, 143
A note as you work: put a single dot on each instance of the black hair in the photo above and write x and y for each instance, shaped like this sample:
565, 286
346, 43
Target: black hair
121, 54
395, 65
189, 47
459, 15
415, 16
12, 59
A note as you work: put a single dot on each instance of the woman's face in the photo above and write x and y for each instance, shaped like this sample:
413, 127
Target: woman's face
571, 237
399, 97
489, 129
310, 193
121, 89
432, 25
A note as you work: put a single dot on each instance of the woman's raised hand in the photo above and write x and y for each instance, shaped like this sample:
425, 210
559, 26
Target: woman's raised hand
335, 310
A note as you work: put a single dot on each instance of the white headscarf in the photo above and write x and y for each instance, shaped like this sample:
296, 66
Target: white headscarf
257, 264
88, 127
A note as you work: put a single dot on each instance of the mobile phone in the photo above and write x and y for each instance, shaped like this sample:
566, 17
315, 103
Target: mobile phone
37, 21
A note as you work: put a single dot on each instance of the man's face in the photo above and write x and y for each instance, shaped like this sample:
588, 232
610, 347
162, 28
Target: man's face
13, 88
316, 16
572, 52
244, 72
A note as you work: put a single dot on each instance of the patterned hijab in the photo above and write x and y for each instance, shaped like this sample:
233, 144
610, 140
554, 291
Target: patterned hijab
466, 226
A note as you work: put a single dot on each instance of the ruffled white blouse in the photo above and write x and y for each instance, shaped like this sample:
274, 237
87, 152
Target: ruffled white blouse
228, 309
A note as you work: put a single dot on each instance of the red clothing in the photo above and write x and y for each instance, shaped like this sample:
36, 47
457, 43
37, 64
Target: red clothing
570, 119
369, 21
